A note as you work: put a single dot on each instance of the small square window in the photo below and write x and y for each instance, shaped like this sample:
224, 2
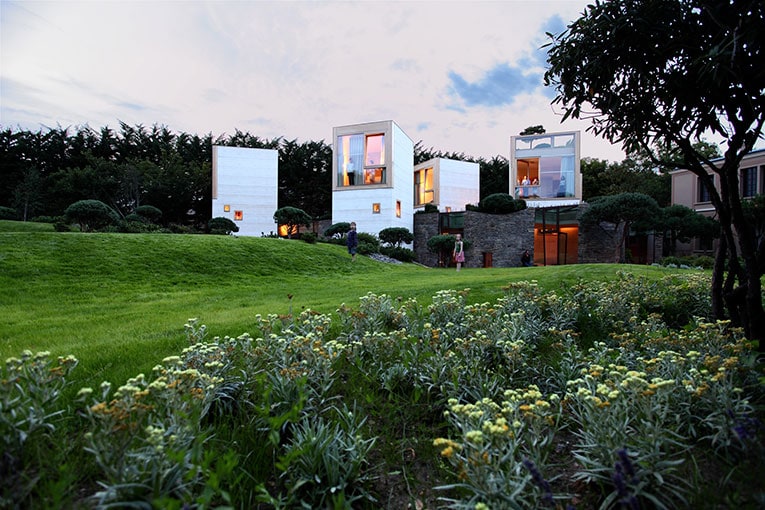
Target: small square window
238, 215
376, 208
226, 208
448, 209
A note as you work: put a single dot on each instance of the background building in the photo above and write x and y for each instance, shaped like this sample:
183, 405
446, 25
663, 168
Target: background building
545, 172
447, 184
244, 188
688, 190
372, 168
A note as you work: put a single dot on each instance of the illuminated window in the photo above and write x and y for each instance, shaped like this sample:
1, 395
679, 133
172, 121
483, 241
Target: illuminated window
361, 159
226, 208
398, 208
423, 186
376, 208
448, 209
238, 215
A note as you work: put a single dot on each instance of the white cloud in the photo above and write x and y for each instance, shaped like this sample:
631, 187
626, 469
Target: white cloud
292, 69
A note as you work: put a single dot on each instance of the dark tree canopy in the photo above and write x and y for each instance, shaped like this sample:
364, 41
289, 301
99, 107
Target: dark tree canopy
624, 212
534, 130
683, 224
664, 73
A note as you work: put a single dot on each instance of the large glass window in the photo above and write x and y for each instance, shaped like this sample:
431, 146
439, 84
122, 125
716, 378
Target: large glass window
545, 177
749, 181
423, 186
361, 159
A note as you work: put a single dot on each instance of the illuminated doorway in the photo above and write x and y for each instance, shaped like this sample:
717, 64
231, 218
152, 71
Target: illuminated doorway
556, 236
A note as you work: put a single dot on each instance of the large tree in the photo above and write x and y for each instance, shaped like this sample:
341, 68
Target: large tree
664, 73
623, 213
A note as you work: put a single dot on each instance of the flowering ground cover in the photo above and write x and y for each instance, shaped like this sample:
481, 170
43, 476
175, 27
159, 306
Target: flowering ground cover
618, 394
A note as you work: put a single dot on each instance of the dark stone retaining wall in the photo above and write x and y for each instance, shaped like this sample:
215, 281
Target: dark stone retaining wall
502, 238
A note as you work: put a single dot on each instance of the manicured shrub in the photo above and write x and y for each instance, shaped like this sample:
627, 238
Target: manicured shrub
293, 218
149, 212
396, 236
368, 243
337, 230
501, 203
398, 253
222, 226
429, 208
91, 215
137, 218
309, 237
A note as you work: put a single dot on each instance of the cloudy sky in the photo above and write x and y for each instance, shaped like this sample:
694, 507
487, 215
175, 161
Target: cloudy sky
458, 76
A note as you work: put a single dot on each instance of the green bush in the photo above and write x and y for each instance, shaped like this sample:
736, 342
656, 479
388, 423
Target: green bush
222, 226
149, 212
429, 208
337, 230
91, 215
501, 203
136, 218
309, 237
702, 261
398, 253
62, 226
396, 236
368, 244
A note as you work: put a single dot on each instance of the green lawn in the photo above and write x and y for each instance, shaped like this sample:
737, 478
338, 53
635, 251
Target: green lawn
118, 302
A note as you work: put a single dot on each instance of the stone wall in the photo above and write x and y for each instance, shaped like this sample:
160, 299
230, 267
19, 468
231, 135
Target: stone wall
504, 237
425, 227
597, 243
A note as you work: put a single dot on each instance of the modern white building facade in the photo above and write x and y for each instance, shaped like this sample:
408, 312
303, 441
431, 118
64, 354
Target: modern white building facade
545, 172
245, 188
372, 168
446, 183
544, 169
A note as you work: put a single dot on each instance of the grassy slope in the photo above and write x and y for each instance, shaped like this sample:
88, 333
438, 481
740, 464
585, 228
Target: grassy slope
118, 302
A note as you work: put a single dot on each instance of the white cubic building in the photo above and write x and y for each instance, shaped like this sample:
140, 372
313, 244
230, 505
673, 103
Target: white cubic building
245, 188
372, 169
446, 183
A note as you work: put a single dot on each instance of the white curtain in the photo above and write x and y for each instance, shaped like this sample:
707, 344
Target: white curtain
567, 170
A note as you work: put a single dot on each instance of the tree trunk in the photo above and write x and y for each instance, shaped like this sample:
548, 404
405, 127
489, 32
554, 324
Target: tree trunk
718, 277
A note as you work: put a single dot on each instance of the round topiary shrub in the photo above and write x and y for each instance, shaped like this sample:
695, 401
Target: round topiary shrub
91, 215
396, 236
148, 212
221, 226
501, 203
337, 230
